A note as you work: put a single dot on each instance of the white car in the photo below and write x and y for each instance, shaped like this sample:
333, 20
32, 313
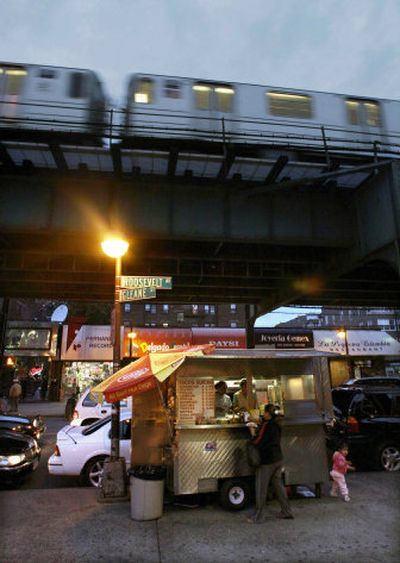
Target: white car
88, 410
81, 450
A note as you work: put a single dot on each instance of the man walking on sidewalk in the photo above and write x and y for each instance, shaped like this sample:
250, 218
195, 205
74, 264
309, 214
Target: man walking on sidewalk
14, 395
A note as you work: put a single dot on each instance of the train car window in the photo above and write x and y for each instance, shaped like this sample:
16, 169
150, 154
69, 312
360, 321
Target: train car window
353, 111
224, 98
14, 80
372, 114
77, 85
144, 91
285, 104
202, 94
47, 73
172, 89
363, 112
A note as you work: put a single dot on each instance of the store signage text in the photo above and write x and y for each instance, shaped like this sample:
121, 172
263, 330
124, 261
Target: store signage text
157, 282
136, 294
284, 340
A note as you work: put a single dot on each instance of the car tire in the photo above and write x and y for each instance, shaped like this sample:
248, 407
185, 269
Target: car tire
388, 457
92, 473
234, 494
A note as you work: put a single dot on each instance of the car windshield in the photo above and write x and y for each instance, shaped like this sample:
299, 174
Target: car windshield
96, 425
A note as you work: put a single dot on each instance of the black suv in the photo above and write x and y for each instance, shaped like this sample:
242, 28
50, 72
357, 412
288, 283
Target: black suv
367, 417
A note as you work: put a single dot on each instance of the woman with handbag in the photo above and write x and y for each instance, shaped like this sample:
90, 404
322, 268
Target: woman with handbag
268, 442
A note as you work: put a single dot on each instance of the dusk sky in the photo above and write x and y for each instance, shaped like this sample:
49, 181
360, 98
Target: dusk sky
346, 46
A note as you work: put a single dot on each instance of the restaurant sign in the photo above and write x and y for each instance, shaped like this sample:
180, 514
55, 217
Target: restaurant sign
283, 340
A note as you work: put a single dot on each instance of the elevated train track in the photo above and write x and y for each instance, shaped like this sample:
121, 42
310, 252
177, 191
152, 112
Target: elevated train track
287, 220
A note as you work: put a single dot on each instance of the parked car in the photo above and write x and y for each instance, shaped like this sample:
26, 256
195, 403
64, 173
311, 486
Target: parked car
373, 380
81, 450
87, 410
33, 427
19, 455
368, 419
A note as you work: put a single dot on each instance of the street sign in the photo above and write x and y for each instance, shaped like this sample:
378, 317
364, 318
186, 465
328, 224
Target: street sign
137, 293
145, 282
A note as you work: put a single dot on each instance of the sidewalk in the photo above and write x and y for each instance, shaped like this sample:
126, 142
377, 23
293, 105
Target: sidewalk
69, 525
44, 408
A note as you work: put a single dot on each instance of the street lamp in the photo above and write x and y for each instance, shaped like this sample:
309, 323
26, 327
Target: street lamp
131, 336
113, 482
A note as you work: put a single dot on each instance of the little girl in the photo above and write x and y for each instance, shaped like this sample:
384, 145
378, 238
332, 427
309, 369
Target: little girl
339, 470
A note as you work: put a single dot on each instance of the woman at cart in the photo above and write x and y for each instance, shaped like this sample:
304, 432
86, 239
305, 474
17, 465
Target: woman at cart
267, 439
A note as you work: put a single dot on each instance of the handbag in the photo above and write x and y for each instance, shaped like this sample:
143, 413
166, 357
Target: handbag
253, 455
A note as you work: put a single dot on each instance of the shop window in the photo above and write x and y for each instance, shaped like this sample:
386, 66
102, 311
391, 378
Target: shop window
165, 308
77, 85
14, 80
233, 324
144, 91
195, 309
180, 317
172, 89
286, 104
127, 307
233, 307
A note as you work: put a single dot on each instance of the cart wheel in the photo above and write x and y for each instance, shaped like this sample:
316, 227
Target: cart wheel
234, 494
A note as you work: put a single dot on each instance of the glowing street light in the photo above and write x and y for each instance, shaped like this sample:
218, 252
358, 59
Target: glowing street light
342, 334
113, 482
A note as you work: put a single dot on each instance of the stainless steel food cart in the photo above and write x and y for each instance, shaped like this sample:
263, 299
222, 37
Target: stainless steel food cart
205, 454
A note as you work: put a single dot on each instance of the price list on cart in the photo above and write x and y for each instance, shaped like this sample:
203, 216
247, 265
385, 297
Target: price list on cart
196, 399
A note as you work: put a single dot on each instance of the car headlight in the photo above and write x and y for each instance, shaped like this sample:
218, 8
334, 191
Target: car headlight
11, 460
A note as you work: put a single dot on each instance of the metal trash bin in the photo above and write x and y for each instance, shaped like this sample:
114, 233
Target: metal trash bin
147, 491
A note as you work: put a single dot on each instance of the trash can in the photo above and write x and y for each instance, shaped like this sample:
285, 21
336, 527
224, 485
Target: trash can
147, 491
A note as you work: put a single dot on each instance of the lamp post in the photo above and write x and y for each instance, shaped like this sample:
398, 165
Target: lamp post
113, 482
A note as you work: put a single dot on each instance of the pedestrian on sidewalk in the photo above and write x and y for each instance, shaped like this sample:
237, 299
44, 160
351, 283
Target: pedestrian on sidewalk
340, 466
3, 403
14, 395
268, 442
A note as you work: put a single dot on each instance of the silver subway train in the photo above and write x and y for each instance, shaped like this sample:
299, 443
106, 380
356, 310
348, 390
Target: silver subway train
63, 99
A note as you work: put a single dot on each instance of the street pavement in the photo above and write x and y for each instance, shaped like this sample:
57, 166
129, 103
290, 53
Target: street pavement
70, 525
52, 519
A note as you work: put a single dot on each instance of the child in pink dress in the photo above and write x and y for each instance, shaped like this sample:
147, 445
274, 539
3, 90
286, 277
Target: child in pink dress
339, 470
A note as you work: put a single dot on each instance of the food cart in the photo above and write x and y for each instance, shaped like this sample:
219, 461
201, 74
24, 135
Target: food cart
174, 423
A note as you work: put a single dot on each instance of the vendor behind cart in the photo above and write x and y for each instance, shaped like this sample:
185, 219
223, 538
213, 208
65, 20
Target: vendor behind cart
223, 403
241, 401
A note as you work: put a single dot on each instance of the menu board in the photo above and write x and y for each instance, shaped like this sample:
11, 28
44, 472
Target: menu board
196, 399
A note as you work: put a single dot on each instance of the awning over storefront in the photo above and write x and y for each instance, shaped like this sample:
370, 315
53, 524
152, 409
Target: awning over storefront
143, 374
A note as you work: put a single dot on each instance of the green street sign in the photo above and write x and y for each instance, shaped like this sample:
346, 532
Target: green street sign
157, 282
136, 294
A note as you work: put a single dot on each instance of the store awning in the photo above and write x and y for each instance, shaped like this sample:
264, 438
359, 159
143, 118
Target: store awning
142, 375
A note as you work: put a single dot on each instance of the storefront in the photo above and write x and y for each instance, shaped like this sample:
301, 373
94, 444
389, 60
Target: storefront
29, 352
86, 354
360, 353
87, 350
